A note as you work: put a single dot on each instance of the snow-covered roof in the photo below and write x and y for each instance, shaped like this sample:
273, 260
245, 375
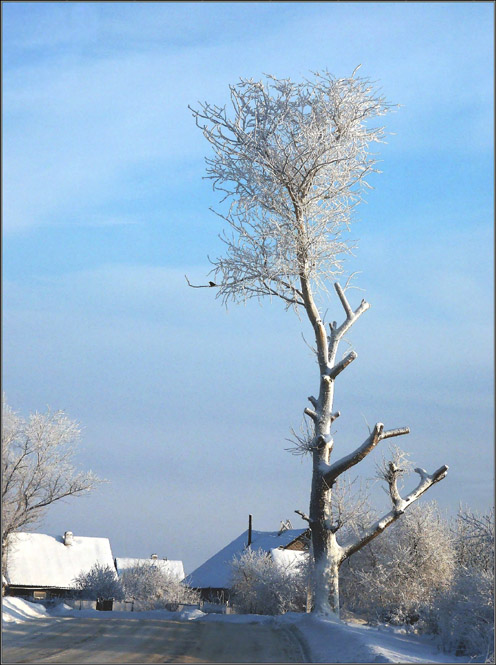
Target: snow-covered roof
166, 565
37, 559
216, 572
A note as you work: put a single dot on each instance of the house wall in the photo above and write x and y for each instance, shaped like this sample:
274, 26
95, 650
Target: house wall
297, 545
37, 593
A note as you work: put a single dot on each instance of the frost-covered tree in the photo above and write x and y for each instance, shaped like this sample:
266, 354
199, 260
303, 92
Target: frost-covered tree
99, 582
261, 585
153, 588
37, 466
293, 159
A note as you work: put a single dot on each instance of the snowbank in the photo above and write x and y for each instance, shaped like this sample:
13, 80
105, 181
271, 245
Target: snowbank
164, 615
17, 610
331, 641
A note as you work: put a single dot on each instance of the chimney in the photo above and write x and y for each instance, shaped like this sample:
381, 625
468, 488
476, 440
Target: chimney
68, 538
250, 523
154, 556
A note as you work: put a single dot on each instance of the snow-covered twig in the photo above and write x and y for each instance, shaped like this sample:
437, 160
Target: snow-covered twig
331, 472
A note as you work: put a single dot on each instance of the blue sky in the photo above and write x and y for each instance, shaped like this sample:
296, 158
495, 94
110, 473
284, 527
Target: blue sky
186, 406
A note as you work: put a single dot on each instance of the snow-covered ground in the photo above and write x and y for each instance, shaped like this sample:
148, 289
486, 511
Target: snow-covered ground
17, 610
325, 641
330, 641
338, 642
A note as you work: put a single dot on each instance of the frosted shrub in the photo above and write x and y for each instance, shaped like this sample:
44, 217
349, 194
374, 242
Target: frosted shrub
99, 582
474, 536
397, 577
262, 586
153, 588
465, 615
441, 580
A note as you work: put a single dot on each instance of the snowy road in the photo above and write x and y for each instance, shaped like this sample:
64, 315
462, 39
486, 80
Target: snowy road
84, 640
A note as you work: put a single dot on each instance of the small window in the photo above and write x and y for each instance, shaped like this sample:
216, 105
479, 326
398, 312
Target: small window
39, 595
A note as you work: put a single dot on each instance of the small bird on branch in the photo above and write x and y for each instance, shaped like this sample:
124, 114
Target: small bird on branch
200, 286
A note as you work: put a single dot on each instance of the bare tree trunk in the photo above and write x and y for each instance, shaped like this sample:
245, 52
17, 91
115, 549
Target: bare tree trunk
326, 550
327, 560
328, 555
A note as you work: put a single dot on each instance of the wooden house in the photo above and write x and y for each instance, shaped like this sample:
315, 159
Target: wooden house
213, 578
39, 566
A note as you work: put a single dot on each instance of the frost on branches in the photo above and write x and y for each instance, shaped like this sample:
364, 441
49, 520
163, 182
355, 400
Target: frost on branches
147, 585
397, 578
292, 160
465, 615
431, 576
99, 582
260, 585
37, 466
153, 588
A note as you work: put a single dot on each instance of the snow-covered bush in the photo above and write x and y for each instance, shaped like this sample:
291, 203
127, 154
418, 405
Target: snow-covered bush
465, 614
396, 578
474, 538
99, 582
261, 585
436, 577
153, 588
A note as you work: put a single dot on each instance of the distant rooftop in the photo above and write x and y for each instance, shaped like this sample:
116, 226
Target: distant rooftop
167, 566
41, 560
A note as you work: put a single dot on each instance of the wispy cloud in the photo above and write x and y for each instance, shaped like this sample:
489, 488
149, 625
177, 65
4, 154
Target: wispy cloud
79, 126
